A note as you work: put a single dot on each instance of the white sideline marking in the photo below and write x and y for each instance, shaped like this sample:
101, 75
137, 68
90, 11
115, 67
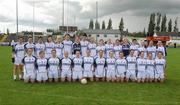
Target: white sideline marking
92, 99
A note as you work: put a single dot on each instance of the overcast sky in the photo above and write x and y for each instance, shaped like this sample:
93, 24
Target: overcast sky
48, 13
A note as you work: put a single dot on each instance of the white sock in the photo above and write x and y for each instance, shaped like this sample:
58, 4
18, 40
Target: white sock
14, 77
20, 76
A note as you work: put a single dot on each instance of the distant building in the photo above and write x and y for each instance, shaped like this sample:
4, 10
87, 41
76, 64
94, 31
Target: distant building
68, 28
172, 35
104, 34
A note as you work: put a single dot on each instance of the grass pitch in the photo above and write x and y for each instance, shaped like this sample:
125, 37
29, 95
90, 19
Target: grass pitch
102, 93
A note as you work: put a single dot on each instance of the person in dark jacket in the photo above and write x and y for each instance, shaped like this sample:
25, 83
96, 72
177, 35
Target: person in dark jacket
76, 45
125, 47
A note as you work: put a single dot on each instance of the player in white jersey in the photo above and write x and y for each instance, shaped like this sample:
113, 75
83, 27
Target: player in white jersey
117, 48
111, 67
131, 67
29, 66
18, 53
151, 49
66, 66
54, 67
84, 45
141, 68
100, 64
108, 47
100, 46
92, 47
30, 44
143, 48
59, 47
67, 45
49, 46
160, 48
40, 46
160, 67
77, 67
41, 66
150, 68
88, 66
121, 67
134, 46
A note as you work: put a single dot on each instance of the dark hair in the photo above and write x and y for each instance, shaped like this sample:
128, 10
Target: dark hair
160, 52
20, 37
53, 50
30, 37
41, 52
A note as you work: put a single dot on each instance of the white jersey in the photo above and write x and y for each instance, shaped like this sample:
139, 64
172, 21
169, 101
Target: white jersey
98, 48
42, 65
108, 48
135, 48
49, 47
66, 64
39, 47
141, 65
77, 64
111, 64
152, 49
88, 63
84, 46
161, 49
160, 65
29, 64
140, 49
92, 48
100, 63
54, 64
131, 63
121, 65
117, 49
18, 50
68, 46
59, 49
30, 45
150, 65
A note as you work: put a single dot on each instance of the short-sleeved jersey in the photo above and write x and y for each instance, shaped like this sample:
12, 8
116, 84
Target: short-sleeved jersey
160, 64
67, 46
59, 49
92, 48
54, 63
135, 48
152, 49
39, 47
111, 63
131, 63
66, 64
42, 65
100, 63
29, 45
77, 64
150, 65
117, 49
121, 64
98, 48
88, 63
49, 47
29, 64
141, 64
108, 48
140, 49
18, 50
84, 46
161, 49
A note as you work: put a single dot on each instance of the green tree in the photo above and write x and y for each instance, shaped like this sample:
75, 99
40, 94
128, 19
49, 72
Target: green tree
97, 25
170, 26
103, 25
151, 24
109, 27
121, 25
91, 24
158, 19
7, 31
144, 32
163, 24
175, 26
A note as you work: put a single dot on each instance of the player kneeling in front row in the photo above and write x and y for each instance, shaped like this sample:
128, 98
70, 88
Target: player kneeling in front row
150, 68
111, 68
160, 67
54, 67
141, 67
88, 66
131, 67
29, 66
66, 65
100, 64
77, 67
42, 65
121, 66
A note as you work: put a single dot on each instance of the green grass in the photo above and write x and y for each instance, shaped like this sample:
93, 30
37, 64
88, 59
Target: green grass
102, 93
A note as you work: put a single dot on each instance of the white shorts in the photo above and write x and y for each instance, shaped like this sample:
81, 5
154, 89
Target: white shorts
77, 75
131, 74
149, 74
41, 76
29, 76
159, 75
88, 74
53, 74
99, 73
18, 60
66, 73
120, 73
110, 73
141, 74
